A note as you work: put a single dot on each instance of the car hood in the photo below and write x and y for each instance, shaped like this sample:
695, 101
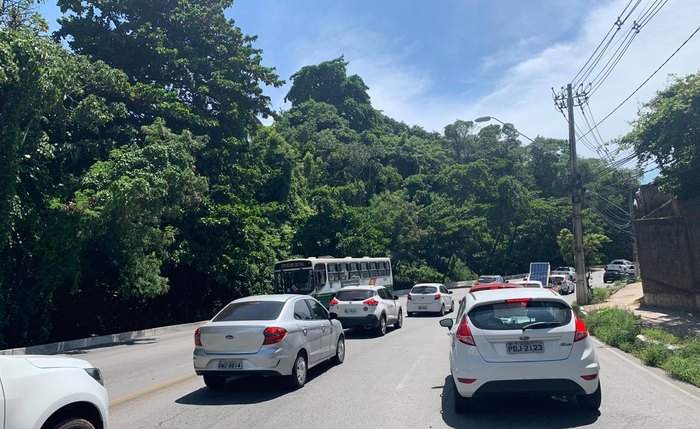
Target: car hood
56, 362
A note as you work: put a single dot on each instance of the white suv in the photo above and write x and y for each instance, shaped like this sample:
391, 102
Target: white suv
368, 307
521, 340
429, 297
51, 392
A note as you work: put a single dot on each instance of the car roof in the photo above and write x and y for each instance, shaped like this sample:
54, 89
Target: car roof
372, 288
428, 284
492, 286
499, 295
275, 297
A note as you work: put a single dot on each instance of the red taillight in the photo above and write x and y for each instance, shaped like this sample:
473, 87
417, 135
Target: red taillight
466, 380
521, 300
464, 333
409, 297
581, 331
370, 301
438, 296
334, 302
589, 377
198, 337
274, 335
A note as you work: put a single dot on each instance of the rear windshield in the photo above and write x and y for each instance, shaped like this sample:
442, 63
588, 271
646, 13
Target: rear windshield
487, 279
354, 295
424, 289
516, 315
250, 310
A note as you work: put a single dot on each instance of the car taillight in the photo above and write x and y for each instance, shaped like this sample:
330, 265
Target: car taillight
409, 297
521, 300
464, 333
334, 302
590, 377
581, 331
370, 301
274, 335
198, 337
438, 296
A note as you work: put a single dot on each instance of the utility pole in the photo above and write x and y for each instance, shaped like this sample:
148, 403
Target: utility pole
635, 256
576, 196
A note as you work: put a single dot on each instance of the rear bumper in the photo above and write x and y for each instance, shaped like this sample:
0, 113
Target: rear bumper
369, 321
433, 306
267, 361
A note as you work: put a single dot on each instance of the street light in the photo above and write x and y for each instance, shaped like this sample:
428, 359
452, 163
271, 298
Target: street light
488, 118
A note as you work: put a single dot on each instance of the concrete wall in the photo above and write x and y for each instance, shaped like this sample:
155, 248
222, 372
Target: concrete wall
668, 239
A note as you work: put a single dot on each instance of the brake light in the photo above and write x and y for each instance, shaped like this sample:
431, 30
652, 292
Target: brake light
464, 333
438, 296
274, 335
198, 337
466, 380
370, 301
589, 377
333, 302
409, 297
521, 300
581, 331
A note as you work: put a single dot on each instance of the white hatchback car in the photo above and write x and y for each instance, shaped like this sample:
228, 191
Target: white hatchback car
429, 297
368, 307
520, 340
51, 392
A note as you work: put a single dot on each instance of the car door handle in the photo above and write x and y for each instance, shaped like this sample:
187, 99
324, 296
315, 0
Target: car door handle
323, 328
304, 330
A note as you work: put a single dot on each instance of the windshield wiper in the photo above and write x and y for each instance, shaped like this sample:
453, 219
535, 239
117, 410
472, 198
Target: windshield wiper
537, 325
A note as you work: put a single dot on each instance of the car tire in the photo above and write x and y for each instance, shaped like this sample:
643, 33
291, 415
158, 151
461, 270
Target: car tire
452, 308
339, 351
74, 423
299, 371
381, 329
590, 402
399, 321
442, 310
462, 404
214, 381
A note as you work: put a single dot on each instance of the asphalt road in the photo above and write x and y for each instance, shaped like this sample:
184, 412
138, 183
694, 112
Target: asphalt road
395, 381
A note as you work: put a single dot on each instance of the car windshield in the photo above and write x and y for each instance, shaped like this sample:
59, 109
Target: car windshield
250, 310
354, 295
518, 314
424, 289
487, 279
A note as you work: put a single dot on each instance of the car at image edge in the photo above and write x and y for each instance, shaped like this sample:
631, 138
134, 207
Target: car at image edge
277, 335
51, 392
429, 298
527, 341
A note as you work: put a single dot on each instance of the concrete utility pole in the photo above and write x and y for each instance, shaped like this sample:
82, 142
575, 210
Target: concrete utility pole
576, 185
635, 257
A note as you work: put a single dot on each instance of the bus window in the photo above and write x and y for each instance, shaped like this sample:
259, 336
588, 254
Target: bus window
298, 281
373, 269
364, 270
383, 269
320, 271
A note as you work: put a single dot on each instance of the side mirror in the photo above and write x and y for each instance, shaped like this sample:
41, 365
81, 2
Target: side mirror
451, 292
396, 297
447, 323
333, 316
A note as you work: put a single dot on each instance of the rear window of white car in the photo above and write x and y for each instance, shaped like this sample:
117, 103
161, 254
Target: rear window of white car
250, 310
519, 313
487, 279
424, 289
354, 295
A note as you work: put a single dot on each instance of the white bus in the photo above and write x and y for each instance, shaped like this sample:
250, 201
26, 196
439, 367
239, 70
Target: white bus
324, 276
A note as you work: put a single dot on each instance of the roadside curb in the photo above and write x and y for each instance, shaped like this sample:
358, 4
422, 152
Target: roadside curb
122, 337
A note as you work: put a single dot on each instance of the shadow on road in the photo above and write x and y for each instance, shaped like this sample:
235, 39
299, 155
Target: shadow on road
521, 412
248, 389
134, 342
363, 334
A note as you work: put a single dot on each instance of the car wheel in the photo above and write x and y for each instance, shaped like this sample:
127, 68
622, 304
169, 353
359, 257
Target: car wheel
462, 404
590, 402
299, 370
339, 351
399, 321
381, 329
214, 381
74, 423
442, 310
452, 308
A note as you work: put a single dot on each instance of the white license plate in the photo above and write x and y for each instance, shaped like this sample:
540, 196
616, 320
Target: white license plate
230, 364
350, 310
525, 347
422, 307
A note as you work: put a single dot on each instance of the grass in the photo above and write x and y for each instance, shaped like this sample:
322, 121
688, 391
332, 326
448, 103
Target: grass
599, 295
619, 328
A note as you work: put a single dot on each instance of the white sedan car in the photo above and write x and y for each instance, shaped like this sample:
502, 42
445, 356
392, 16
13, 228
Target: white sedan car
280, 335
51, 392
520, 340
429, 298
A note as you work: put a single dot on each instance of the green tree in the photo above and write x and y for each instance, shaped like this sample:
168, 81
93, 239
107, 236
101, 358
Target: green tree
592, 244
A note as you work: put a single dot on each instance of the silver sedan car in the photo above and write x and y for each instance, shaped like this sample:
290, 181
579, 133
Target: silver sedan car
282, 335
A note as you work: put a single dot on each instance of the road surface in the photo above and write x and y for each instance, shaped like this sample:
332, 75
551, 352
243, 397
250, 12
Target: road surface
390, 382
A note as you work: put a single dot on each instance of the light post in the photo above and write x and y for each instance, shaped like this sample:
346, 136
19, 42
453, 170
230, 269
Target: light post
488, 118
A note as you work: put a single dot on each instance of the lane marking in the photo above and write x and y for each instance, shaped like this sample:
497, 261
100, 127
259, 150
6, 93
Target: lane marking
402, 384
151, 389
621, 356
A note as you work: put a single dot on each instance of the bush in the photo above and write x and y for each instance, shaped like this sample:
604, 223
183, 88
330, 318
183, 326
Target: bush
654, 354
684, 368
615, 326
599, 295
661, 336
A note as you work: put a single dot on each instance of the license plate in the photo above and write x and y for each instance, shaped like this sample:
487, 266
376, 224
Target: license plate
350, 310
422, 307
525, 347
230, 364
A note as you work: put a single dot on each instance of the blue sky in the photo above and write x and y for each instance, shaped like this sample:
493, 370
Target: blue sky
429, 63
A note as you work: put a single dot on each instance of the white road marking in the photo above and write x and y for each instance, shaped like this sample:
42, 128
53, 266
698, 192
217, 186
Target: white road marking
410, 372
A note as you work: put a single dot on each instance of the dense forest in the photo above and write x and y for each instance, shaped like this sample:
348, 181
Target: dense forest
138, 186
